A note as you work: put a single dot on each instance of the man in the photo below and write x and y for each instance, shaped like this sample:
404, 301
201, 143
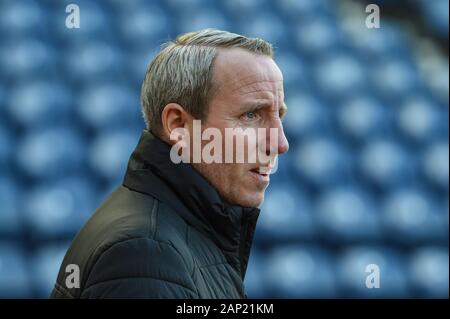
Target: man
184, 230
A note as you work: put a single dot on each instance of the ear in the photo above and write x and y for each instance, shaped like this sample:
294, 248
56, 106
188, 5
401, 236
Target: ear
173, 116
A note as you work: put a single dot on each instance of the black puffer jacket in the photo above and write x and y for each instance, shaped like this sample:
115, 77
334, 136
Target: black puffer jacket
164, 233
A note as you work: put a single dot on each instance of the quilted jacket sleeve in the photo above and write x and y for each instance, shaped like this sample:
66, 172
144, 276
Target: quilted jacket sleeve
123, 271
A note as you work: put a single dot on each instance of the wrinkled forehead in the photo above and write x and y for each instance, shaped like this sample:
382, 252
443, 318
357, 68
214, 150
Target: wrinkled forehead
242, 72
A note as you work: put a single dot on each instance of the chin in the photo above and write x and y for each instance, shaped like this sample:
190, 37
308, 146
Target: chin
253, 200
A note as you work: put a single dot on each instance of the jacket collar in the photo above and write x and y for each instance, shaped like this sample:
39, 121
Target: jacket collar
182, 188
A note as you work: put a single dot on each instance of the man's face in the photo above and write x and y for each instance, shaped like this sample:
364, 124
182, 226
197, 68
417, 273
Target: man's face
247, 93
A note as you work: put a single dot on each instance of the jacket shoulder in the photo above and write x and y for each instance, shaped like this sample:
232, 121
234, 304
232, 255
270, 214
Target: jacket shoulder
131, 238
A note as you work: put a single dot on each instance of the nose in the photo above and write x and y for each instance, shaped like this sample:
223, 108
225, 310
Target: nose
279, 145
283, 144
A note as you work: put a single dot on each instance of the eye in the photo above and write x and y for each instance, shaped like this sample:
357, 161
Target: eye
249, 116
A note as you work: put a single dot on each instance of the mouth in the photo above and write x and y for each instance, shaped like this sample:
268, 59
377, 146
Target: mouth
262, 174
263, 170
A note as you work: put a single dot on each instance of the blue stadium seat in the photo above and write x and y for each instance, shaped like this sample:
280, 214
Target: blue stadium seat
18, 17
436, 73
140, 24
255, 284
428, 271
410, 216
93, 62
110, 105
96, 23
435, 164
118, 5
354, 272
385, 163
40, 104
371, 45
317, 35
117, 147
419, 119
243, 9
282, 171
394, 79
137, 63
14, 272
436, 16
7, 140
2, 98
181, 5
299, 9
363, 118
347, 215
339, 75
445, 212
307, 116
10, 214
201, 18
308, 272
286, 215
59, 208
50, 152
266, 25
19, 58
322, 162
295, 71
47, 260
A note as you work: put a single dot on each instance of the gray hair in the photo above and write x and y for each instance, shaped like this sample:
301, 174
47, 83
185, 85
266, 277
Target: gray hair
182, 72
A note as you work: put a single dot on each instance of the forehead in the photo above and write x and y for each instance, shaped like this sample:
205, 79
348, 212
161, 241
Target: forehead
237, 71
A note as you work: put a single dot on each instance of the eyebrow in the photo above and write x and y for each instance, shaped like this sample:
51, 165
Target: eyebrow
260, 105
254, 106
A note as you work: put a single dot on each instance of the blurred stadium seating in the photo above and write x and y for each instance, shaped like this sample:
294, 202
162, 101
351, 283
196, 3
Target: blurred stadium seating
366, 179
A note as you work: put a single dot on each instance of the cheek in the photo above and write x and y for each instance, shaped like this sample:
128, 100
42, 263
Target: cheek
239, 174
222, 174
231, 174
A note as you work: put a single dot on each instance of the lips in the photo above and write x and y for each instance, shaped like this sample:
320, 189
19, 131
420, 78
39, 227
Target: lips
261, 175
262, 170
